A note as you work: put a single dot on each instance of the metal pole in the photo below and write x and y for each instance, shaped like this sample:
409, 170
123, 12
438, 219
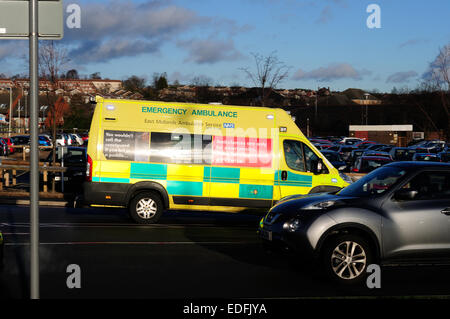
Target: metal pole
10, 110
34, 154
18, 110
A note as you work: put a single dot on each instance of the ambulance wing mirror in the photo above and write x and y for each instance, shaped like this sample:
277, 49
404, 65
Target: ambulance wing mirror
318, 166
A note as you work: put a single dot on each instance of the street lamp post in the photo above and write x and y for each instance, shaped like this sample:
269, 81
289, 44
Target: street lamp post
10, 110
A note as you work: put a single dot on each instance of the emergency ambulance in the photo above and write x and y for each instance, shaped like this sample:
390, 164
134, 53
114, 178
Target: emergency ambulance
155, 156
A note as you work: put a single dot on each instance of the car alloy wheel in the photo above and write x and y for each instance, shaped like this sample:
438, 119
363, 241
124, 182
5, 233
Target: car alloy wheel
146, 208
348, 260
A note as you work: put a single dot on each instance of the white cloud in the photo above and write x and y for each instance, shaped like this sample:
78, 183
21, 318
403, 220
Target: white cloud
401, 77
210, 51
332, 72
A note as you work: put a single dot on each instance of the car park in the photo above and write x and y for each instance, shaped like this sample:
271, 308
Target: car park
366, 164
398, 213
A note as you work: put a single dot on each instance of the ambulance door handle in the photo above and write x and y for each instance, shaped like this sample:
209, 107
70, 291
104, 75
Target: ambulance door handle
284, 175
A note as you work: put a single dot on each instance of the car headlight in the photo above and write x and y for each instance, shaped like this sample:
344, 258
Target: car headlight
292, 225
346, 178
321, 205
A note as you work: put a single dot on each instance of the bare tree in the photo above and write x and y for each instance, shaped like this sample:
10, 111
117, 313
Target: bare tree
437, 80
268, 74
52, 61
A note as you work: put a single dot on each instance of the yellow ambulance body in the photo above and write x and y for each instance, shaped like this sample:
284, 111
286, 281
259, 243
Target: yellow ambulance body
153, 156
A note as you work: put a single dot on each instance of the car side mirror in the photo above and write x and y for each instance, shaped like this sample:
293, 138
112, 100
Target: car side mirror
405, 194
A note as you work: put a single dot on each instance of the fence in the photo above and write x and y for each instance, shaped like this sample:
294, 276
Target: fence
9, 170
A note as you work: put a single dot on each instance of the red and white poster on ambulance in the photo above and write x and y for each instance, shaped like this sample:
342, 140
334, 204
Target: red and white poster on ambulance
242, 151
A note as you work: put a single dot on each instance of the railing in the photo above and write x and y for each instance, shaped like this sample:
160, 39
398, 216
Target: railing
26, 149
9, 169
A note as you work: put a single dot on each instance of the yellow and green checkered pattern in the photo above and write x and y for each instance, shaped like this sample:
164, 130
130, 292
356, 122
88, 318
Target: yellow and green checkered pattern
197, 180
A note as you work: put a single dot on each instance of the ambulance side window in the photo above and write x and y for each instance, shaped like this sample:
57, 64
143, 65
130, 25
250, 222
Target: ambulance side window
293, 155
173, 148
310, 158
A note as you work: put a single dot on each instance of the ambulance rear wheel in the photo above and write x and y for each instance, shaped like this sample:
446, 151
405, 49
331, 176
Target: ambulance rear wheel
146, 208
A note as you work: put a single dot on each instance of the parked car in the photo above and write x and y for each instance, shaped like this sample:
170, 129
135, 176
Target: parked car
398, 213
20, 140
68, 139
345, 151
320, 146
364, 144
350, 140
401, 154
60, 140
10, 145
76, 139
1, 250
75, 159
85, 137
426, 157
444, 156
375, 147
4, 148
366, 164
434, 146
377, 153
44, 141
335, 159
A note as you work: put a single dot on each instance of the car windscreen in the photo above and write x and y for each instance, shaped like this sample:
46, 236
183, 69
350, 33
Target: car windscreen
375, 183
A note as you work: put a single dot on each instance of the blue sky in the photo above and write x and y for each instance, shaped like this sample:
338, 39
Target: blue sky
324, 42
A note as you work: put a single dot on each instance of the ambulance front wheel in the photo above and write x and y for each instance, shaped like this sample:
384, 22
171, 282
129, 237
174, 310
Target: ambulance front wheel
146, 208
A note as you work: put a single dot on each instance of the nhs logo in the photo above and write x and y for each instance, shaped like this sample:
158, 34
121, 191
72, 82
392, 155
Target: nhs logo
228, 125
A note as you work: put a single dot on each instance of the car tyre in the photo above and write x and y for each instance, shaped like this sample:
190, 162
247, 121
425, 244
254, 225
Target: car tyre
146, 208
345, 259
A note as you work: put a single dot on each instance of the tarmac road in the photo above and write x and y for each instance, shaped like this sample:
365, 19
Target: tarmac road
186, 255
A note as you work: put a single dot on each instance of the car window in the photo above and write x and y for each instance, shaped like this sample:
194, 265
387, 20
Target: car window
374, 183
430, 185
293, 155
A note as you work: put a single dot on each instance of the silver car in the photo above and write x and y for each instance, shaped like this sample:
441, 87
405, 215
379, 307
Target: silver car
397, 213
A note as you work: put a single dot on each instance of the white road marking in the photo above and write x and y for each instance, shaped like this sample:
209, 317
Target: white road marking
101, 225
138, 243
